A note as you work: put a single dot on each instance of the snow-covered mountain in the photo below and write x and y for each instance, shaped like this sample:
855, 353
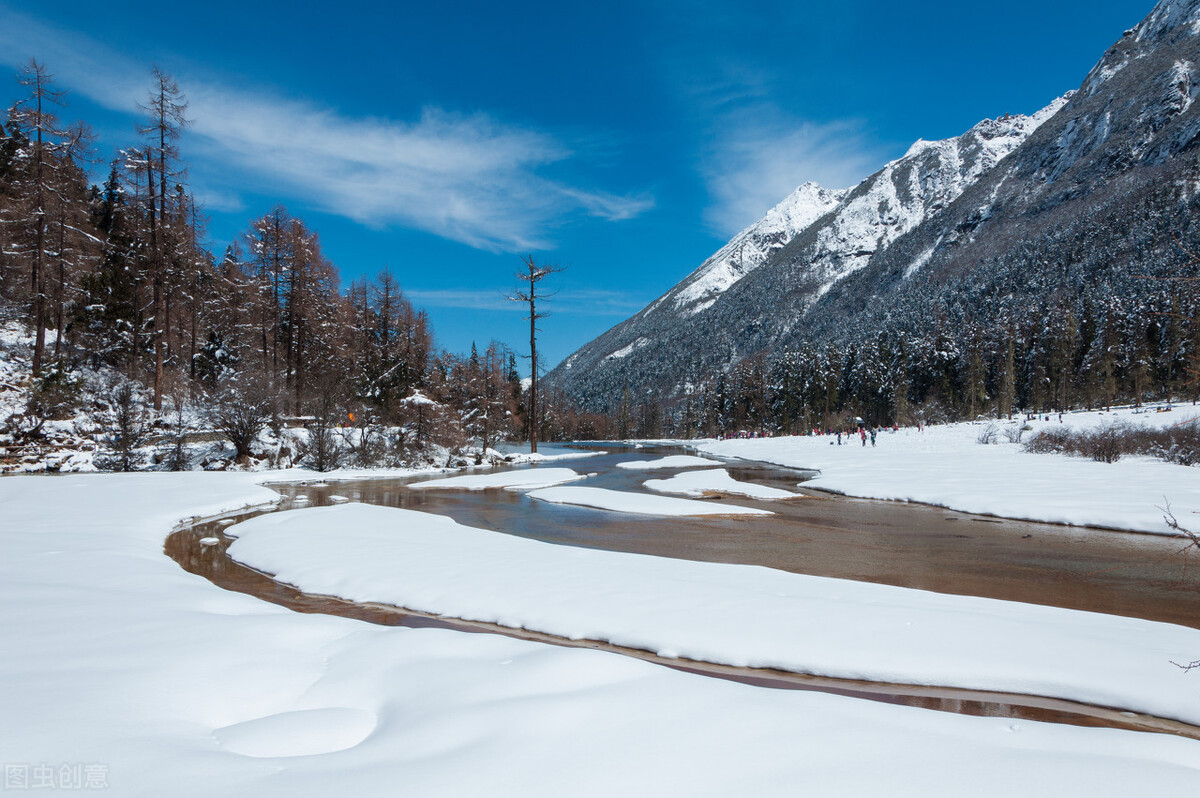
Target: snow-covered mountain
1114, 164
752, 247
839, 231
865, 219
906, 192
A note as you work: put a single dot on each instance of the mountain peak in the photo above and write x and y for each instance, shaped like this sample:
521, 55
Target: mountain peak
753, 246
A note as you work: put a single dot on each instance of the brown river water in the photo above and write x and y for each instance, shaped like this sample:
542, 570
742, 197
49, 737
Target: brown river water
895, 543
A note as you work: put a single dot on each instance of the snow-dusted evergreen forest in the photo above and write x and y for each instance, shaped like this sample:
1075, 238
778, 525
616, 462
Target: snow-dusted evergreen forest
128, 344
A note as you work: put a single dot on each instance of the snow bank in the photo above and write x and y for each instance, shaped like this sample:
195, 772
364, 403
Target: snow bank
527, 457
945, 465
116, 658
674, 461
716, 480
307, 476
735, 614
524, 479
620, 501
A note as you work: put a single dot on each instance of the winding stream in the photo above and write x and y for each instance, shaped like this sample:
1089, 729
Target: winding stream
894, 543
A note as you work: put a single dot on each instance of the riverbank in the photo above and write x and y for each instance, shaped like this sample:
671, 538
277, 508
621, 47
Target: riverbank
946, 465
745, 616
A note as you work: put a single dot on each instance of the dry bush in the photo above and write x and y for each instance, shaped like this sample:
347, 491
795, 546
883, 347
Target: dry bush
1179, 444
988, 435
1057, 440
1013, 432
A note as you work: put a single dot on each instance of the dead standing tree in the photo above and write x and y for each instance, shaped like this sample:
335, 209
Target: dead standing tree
42, 192
165, 120
533, 274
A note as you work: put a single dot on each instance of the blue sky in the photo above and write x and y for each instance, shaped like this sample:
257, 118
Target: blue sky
627, 141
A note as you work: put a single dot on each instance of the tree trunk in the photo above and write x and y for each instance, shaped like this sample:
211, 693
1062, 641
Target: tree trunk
39, 299
533, 387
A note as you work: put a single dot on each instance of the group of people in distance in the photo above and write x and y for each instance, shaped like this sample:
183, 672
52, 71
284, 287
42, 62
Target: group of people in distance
863, 431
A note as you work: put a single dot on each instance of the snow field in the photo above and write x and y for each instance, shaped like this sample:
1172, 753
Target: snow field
734, 614
116, 656
716, 480
621, 501
525, 479
674, 461
946, 466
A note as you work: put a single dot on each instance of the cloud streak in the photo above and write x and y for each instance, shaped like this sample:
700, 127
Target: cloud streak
468, 178
588, 302
758, 156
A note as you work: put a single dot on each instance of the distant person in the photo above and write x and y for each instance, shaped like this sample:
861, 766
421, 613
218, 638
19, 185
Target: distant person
839, 437
873, 437
862, 431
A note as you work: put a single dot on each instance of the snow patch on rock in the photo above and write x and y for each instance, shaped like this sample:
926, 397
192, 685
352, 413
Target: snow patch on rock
751, 248
629, 349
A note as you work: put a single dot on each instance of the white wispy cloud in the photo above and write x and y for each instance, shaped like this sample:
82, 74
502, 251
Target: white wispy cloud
468, 178
218, 199
757, 156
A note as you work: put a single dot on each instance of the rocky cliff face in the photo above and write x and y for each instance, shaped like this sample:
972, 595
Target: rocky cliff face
1078, 196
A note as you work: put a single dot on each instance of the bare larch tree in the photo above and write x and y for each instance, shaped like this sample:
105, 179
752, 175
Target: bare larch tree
43, 192
532, 274
165, 120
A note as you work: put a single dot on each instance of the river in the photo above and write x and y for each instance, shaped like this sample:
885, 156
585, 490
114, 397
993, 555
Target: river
895, 543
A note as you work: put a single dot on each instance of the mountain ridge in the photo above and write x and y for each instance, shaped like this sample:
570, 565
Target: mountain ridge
985, 143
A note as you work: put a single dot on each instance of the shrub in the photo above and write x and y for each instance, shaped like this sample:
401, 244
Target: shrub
127, 423
322, 449
56, 393
988, 435
1058, 440
1179, 444
1013, 432
240, 414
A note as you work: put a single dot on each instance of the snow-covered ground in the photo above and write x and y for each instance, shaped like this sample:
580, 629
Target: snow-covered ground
945, 465
508, 480
716, 480
122, 668
734, 614
518, 452
623, 501
673, 461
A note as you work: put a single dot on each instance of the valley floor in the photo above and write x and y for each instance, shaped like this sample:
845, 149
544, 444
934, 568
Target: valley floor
947, 466
120, 669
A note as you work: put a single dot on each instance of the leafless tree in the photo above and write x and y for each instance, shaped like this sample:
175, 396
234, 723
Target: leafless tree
532, 274
165, 120
177, 459
47, 195
322, 450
